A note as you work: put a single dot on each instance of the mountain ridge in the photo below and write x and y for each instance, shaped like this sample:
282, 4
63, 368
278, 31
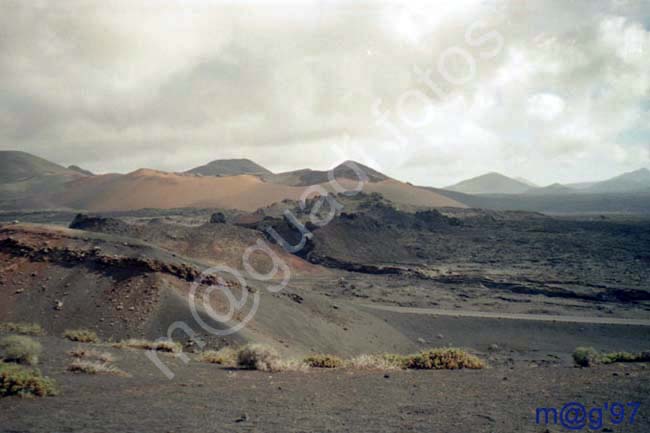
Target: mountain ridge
229, 167
490, 183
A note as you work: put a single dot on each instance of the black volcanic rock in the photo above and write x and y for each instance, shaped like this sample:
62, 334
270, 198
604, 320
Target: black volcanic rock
218, 218
98, 224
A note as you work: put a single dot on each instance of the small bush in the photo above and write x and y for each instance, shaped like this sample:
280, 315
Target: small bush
225, 356
588, 357
22, 328
444, 359
18, 348
24, 382
159, 345
257, 357
82, 353
81, 335
94, 367
323, 361
610, 358
585, 356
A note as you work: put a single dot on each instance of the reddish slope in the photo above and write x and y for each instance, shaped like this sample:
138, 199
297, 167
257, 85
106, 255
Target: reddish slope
155, 189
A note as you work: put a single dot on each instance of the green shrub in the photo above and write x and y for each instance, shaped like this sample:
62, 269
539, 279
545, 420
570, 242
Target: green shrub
226, 356
444, 359
22, 328
610, 358
585, 356
18, 348
21, 381
323, 361
81, 335
588, 356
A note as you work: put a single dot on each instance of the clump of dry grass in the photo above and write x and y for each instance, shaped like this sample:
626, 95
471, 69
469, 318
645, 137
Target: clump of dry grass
24, 382
265, 358
226, 356
159, 345
81, 335
444, 359
82, 353
18, 348
95, 367
376, 362
323, 361
289, 365
257, 357
22, 328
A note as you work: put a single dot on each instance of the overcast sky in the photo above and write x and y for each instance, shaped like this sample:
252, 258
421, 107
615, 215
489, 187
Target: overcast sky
429, 93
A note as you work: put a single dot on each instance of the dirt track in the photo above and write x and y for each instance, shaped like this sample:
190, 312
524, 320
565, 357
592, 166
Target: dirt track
508, 316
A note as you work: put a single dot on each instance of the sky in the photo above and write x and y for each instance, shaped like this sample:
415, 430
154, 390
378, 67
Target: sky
428, 92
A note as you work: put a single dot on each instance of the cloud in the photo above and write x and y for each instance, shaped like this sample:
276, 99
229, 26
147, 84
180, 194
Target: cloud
427, 94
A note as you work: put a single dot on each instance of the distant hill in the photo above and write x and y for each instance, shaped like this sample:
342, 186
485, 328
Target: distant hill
527, 182
27, 181
580, 186
230, 167
560, 203
17, 166
554, 189
30, 182
490, 183
80, 170
634, 181
345, 170
146, 188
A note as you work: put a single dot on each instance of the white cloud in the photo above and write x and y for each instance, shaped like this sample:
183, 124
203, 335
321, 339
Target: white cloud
169, 84
545, 106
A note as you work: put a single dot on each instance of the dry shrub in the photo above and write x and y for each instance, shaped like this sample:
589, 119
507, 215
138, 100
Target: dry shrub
18, 348
163, 345
81, 335
376, 362
24, 382
22, 328
257, 357
82, 353
225, 356
95, 367
323, 361
289, 365
444, 359
265, 358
